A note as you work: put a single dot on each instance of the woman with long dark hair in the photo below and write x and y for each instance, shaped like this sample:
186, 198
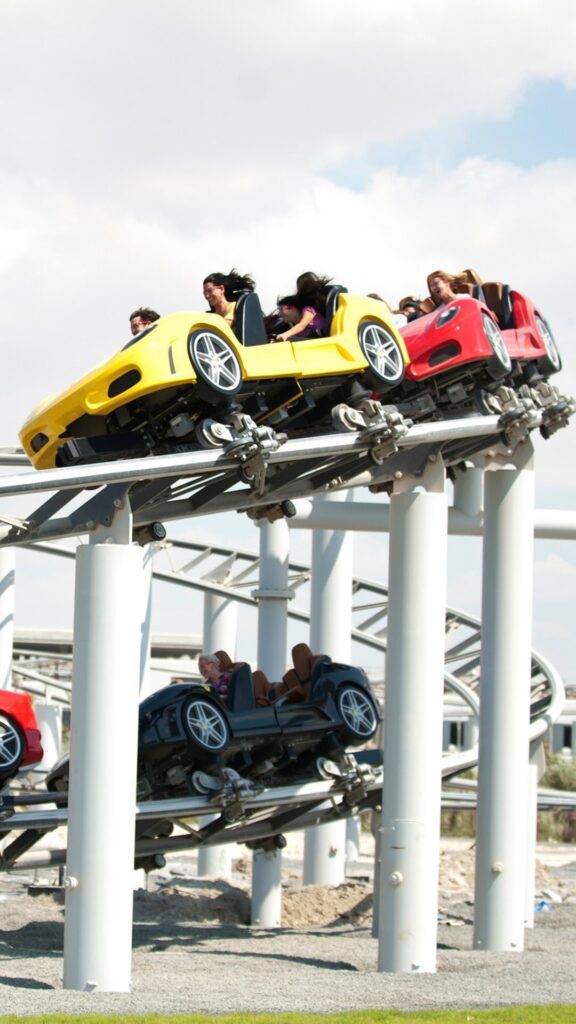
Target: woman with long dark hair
222, 290
309, 302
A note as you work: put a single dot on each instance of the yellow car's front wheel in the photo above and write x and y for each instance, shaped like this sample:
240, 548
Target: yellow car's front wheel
215, 361
382, 352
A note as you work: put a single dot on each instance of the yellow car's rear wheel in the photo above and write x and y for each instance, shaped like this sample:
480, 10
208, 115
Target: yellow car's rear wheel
215, 361
382, 352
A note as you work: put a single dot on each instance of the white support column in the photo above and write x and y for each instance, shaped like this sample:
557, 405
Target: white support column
103, 755
469, 490
266, 906
504, 702
146, 684
353, 831
413, 726
330, 628
219, 634
7, 581
273, 595
220, 624
531, 830
376, 826
49, 718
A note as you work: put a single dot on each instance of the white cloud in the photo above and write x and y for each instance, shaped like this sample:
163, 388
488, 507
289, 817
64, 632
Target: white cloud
145, 145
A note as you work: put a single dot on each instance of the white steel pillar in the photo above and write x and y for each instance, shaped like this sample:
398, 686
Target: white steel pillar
469, 489
146, 685
50, 724
353, 829
7, 580
220, 624
413, 726
504, 702
103, 754
273, 595
219, 634
266, 905
330, 628
531, 830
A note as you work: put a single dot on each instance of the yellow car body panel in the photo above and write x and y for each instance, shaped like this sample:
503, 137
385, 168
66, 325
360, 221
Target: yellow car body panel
160, 359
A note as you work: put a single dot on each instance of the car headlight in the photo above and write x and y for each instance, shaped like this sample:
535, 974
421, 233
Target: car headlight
447, 315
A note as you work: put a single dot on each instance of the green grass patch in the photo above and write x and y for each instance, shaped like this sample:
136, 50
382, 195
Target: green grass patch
550, 1014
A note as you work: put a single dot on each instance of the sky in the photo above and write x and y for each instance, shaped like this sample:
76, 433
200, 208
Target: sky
145, 145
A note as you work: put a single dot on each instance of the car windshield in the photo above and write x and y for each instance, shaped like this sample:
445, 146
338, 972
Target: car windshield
138, 337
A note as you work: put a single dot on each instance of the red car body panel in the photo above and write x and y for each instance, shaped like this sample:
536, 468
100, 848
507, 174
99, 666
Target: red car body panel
461, 340
523, 341
18, 706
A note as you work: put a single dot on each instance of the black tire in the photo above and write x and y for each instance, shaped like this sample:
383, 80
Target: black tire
382, 353
11, 746
358, 713
206, 726
501, 363
552, 361
215, 361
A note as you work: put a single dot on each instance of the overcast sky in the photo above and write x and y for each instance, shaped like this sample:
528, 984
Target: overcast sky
145, 145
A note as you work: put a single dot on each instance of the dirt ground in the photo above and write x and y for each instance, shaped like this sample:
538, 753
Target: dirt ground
192, 951
176, 893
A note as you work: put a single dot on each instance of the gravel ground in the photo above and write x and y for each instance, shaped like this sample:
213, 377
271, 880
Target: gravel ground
194, 953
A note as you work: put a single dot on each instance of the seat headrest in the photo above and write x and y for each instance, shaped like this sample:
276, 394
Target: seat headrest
302, 659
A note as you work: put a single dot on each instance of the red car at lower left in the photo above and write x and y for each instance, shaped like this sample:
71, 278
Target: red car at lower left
20, 739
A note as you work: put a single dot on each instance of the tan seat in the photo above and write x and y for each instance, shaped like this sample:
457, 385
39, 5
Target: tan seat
410, 302
262, 688
298, 679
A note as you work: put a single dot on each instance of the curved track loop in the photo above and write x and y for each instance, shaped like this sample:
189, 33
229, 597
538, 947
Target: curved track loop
234, 573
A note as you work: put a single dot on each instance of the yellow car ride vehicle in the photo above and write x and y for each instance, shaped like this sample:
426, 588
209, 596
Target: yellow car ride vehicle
153, 395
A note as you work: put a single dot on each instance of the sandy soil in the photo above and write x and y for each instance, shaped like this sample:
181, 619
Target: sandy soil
193, 951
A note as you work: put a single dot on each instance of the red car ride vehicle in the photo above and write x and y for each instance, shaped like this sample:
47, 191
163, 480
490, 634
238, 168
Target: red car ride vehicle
465, 349
527, 333
20, 740
455, 351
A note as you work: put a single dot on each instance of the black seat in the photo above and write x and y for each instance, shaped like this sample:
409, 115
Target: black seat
240, 689
507, 309
248, 325
333, 294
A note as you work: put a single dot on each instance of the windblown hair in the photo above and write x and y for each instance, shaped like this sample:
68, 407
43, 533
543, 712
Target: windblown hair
311, 290
145, 314
234, 283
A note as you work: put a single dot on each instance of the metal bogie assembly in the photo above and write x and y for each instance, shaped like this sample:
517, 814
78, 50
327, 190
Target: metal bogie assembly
243, 809
369, 443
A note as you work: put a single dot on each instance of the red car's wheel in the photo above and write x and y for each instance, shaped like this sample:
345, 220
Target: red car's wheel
358, 713
11, 746
552, 361
501, 363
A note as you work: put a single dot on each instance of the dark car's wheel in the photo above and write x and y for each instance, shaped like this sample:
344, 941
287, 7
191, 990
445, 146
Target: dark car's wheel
552, 361
382, 353
206, 725
215, 361
11, 746
358, 713
501, 363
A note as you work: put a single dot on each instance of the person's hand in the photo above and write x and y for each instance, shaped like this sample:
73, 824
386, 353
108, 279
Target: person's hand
279, 337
